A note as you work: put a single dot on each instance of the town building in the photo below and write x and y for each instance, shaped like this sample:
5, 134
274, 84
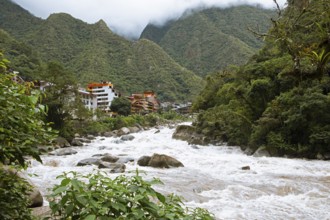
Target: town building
144, 103
98, 96
89, 99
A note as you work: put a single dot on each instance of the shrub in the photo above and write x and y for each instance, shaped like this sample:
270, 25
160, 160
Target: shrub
13, 196
96, 196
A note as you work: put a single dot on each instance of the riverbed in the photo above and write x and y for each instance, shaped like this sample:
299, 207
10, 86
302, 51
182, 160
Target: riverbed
212, 176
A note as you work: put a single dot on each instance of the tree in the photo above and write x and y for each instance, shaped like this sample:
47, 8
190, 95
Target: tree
121, 106
21, 124
61, 98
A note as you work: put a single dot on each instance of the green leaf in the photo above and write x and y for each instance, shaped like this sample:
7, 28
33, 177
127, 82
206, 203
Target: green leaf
161, 197
65, 181
90, 217
69, 209
60, 190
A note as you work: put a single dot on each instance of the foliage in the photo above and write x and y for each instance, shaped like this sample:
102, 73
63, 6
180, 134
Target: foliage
209, 40
13, 196
23, 58
121, 105
278, 100
96, 196
295, 122
21, 125
62, 98
106, 124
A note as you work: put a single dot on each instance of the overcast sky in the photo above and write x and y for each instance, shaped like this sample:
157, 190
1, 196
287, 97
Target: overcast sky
129, 17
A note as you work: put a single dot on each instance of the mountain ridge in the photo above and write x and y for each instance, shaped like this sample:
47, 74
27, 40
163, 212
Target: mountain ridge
184, 39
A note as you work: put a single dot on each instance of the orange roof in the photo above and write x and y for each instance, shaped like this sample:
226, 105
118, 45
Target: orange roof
98, 84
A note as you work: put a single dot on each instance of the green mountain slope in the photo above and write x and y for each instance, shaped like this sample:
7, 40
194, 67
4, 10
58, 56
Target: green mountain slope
93, 53
22, 58
209, 40
279, 101
17, 21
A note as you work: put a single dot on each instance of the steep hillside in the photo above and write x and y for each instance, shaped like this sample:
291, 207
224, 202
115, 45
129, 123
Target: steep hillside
278, 102
22, 58
211, 39
93, 53
17, 21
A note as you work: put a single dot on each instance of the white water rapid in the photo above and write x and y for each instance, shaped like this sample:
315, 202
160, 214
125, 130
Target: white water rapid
212, 177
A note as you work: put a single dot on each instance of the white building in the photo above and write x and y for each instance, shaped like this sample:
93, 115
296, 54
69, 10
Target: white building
88, 99
98, 95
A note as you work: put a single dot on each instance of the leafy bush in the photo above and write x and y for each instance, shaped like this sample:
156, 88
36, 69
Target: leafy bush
121, 105
96, 196
13, 196
21, 125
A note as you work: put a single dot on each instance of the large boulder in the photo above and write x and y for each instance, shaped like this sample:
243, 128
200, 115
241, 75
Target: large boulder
159, 161
89, 161
63, 152
143, 161
76, 142
114, 167
123, 131
134, 129
183, 132
163, 161
188, 133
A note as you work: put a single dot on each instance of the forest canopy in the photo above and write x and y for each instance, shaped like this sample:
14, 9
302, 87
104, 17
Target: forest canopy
280, 100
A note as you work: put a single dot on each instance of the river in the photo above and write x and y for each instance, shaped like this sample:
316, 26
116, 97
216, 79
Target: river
212, 177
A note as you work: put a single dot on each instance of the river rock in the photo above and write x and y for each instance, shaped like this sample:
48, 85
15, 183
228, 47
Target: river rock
76, 142
246, 168
134, 129
319, 156
35, 197
127, 137
84, 140
109, 158
163, 161
61, 142
188, 133
90, 137
143, 161
114, 167
89, 161
63, 152
183, 132
261, 152
248, 151
123, 131
109, 134
45, 149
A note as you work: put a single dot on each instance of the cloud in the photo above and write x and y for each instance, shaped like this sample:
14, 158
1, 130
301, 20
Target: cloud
129, 17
